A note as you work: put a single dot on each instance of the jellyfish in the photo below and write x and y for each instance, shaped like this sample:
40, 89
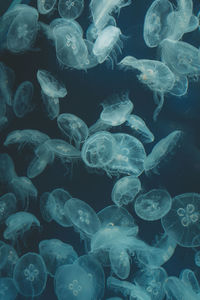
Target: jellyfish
180, 87
182, 221
120, 261
50, 85
22, 103
156, 27
164, 150
71, 24
125, 190
139, 129
189, 278
52, 206
70, 9
71, 282
197, 258
8, 259
7, 169
7, 78
30, 275
153, 205
56, 253
45, 6
129, 156
74, 128
83, 217
51, 106
8, 205
176, 289
18, 223
7, 289
155, 74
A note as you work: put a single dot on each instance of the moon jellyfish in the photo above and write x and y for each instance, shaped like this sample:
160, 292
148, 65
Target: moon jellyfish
56, 253
7, 169
74, 128
182, 221
8, 205
23, 30
18, 223
180, 87
53, 207
129, 156
155, 74
197, 258
30, 275
189, 278
7, 78
116, 109
71, 282
22, 103
175, 289
139, 129
45, 6
7, 289
107, 41
63, 150
125, 190
152, 281
8, 259
51, 106
163, 151
70, 9
120, 261
83, 217
156, 27
50, 85
153, 205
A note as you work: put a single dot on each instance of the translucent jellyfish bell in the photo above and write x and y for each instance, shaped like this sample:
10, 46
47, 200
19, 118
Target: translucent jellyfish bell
51, 106
70, 9
30, 275
120, 261
7, 289
62, 149
153, 205
8, 259
8, 205
182, 221
45, 6
22, 103
7, 169
7, 78
197, 258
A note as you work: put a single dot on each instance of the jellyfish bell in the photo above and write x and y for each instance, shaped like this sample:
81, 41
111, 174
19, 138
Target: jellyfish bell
22, 103
45, 6
70, 9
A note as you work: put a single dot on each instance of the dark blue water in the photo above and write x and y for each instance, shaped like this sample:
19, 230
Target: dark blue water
86, 90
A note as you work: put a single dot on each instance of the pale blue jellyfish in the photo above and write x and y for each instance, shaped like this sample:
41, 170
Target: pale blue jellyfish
30, 275
180, 87
176, 289
51, 106
8, 259
120, 261
56, 253
83, 217
8, 205
7, 169
197, 258
63, 150
71, 282
22, 103
7, 289
182, 221
70, 9
125, 190
7, 78
153, 205
189, 278
45, 6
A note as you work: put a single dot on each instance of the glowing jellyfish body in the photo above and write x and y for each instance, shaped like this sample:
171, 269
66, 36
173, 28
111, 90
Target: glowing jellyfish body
8, 205
45, 6
180, 87
182, 221
50, 85
153, 205
162, 151
8, 258
70, 9
155, 74
175, 289
30, 275
73, 127
189, 278
120, 261
116, 109
51, 106
71, 282
181, 57
82, 216
22, 103
56, 253
125, 190
107, 40
7, 168
19, 223
129, 155
156, 27
7, 289
62, 149
23, 30
139, 129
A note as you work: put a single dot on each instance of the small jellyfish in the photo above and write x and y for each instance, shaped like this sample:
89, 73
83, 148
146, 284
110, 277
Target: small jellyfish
197, 258
189, 278
7, 78
83, 217
50, 85
139, 129
7, 169
56, 253
153, 205
74, 128
120, 261
51, 106
70, 9
7, 289
30, 275
182, 221
45, 6
8, 205
8, 259
180, 87
71, 282
22, 103
18, 223
155, 74
125, 190
175, 289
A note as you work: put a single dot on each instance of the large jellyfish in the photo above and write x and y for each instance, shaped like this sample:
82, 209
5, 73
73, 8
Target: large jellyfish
182, 221
70, 9
155, 74
22, 103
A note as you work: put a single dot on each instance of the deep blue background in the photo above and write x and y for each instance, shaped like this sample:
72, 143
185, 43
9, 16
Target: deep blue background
86, 90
